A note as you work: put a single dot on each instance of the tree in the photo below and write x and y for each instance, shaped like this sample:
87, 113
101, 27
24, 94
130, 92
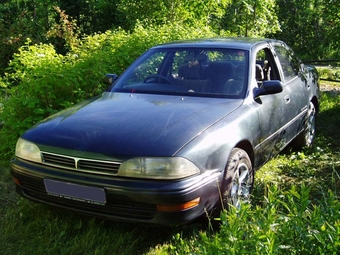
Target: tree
299, 23
92, 15
19, 20
158, 12
16, 23
310, 27
330, 20
251, 18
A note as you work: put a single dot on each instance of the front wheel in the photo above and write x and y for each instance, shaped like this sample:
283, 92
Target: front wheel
238, 179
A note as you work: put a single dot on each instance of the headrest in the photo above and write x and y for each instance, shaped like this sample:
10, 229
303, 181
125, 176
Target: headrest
190, 70
259, 73
198, 57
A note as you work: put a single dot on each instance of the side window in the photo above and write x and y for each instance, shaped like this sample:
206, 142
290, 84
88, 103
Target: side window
289, 63
265, 67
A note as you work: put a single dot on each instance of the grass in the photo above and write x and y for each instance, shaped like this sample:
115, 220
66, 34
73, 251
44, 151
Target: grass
295, 210
329, 72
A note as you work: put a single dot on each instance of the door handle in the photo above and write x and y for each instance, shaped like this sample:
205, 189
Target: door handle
287, 99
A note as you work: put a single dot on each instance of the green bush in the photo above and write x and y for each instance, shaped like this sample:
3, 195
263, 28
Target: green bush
44, 82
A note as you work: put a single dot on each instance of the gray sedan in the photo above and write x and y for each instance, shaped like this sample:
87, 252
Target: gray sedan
181, 132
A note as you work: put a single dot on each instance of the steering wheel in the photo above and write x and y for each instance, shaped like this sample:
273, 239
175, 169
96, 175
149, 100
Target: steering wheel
158, 76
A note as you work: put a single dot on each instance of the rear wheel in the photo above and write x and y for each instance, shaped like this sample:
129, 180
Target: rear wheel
306, 137
238, 179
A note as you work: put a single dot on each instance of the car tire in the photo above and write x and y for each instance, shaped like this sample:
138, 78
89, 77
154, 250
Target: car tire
238, 179
306, 137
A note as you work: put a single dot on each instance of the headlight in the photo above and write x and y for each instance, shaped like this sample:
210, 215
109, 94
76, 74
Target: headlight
158, 168
27, 150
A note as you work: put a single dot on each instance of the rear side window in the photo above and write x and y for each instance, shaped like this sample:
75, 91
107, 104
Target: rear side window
289, 62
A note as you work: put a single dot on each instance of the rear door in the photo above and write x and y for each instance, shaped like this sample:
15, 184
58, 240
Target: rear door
280, 115
272, 110
295, 87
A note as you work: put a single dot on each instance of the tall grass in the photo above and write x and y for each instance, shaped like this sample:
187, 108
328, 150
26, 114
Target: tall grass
294, 210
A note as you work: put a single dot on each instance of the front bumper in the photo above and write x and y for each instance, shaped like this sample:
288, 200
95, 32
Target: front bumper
127, 199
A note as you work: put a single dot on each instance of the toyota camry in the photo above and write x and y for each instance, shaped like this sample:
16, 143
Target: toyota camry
180, 133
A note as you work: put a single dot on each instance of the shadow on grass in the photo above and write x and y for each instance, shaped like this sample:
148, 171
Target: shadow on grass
328, 122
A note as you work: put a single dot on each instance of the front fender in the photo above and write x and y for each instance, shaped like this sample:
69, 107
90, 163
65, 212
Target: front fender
210, 150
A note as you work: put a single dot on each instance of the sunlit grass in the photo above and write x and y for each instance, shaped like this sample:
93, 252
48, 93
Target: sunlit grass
329, 72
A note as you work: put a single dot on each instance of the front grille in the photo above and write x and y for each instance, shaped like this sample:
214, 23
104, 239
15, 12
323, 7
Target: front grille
81, 164
58, 160
98, 166
113, 208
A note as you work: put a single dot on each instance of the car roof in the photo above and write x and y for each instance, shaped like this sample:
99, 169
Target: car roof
245, 43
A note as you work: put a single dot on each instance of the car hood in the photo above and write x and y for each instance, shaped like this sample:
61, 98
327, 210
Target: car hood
129, 125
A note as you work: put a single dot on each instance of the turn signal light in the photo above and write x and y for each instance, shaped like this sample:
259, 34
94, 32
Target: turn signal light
17, 181
180, 207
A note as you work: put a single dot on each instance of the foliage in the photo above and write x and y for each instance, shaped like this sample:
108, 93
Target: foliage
92, 16
331, 24
15, 25
190, 12
66, 29
330, 73
309, 27
251, 18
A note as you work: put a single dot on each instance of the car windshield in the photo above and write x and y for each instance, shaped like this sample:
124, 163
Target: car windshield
195, 72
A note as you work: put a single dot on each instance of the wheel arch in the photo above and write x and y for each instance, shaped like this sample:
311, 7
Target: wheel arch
315, 101
248, 148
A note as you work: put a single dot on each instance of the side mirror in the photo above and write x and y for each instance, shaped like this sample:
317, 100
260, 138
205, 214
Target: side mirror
110, 78
269, 88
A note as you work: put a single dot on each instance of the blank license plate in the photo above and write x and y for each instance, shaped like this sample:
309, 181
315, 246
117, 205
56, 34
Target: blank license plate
77, 192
